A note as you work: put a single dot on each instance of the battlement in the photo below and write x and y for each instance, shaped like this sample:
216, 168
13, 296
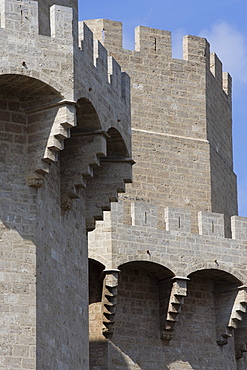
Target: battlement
19, 16
107, 67
23, 16
179, 220
154, 42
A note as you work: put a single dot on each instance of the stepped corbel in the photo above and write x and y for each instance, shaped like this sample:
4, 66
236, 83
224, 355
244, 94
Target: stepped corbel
239, 308
109, 180
79, 159
109, 300
176, 299
48, 128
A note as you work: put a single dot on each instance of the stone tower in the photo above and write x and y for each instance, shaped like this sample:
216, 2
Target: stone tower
182, 144
166, 271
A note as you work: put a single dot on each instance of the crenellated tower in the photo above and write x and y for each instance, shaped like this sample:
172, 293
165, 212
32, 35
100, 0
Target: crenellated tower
181, 121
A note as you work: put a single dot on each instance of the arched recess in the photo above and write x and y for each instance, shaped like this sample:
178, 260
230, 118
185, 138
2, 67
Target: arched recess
217, 295
27, 112
28, 89
143, 295
143, 287
96, 276
95, 162
116, 147
95, 272
87, 142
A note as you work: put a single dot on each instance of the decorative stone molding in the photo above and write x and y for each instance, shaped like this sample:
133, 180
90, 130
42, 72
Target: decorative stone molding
35, 180
109, 300
66, 202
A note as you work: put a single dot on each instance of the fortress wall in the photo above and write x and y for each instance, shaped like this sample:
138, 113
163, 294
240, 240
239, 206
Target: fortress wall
204, 258
107, 86
44, 246
182, 145
172, 243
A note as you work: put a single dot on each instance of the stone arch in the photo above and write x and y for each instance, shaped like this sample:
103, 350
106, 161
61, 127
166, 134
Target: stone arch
224, 268
142, 291
116, 147
159, 271
95, 161
214, 293
82, 150
34, 104
26, 86
86, 116
217, 276
95, 278
25, 123
124, 259
32, 81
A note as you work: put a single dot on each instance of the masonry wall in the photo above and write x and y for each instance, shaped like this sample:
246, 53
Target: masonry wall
45, 203
18, 254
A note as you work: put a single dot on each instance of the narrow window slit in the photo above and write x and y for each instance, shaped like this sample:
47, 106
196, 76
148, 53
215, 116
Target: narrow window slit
103, 35
155, 44
145, 217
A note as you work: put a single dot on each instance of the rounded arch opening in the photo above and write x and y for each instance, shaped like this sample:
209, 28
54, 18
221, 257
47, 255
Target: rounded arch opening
217, 276
27, 88
116, 147
87, 117
95, 279
159, 272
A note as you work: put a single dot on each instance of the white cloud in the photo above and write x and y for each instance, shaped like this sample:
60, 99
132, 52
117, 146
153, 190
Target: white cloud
231, 47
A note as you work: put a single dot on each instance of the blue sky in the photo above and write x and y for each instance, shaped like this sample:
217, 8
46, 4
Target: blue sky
222, 22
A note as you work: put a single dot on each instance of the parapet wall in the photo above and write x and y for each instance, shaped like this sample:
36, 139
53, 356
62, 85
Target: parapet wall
176, 219
157, 43
165, 238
